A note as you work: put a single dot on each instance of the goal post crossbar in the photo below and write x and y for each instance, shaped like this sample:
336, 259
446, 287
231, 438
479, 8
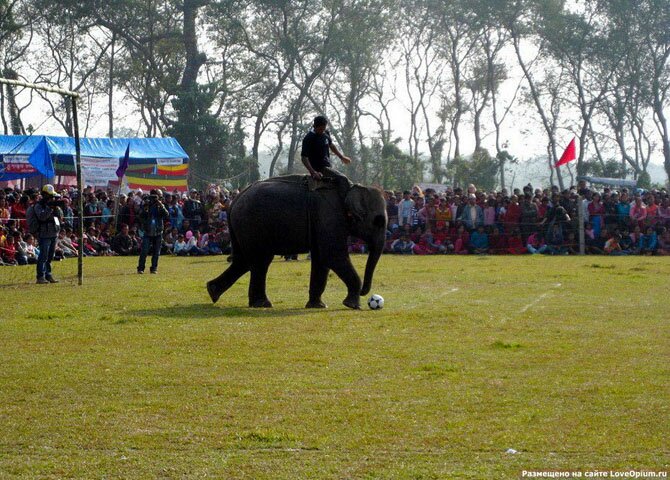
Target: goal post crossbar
19, 83
74, 96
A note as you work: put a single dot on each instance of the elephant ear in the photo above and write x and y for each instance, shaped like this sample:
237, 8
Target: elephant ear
355, 202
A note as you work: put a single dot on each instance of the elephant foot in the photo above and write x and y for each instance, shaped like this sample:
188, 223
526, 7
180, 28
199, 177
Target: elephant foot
352, 302
214, 293
316, 304
262, 303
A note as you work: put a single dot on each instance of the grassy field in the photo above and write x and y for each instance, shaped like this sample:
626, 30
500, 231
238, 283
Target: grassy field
564, 359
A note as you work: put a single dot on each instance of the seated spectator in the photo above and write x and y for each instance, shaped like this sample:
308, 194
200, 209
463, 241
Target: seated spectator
441, 237
179, 246
97, 243
192, 243
613, 246
403, 245
213, 244
648, 242
479, 241
461, 240
571, 244
498, 243
663, 242
8, 251
123, 244
426, 244
555, 241
169, 237
64, 245
597, 245
356, 245
536, 244
224, 241
626, 242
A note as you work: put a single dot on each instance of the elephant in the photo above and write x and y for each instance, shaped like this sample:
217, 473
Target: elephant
286, 216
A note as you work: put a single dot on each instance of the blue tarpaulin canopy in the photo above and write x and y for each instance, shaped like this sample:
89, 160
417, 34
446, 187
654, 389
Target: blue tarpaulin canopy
24, 156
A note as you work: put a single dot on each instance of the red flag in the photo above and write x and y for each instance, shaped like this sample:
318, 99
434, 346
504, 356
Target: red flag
568, 154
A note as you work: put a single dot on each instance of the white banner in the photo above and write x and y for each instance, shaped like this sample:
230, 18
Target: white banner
17, 164
169, 162
98, 171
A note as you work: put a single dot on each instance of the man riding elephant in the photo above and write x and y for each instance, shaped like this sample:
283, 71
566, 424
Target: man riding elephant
315, 154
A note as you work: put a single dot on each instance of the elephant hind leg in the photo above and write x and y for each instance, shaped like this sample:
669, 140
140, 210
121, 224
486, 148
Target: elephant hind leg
223, 282
317, 283
259, 271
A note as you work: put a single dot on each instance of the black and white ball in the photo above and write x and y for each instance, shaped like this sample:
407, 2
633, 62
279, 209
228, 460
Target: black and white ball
376, 302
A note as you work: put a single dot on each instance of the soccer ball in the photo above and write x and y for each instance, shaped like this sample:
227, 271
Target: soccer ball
376, 302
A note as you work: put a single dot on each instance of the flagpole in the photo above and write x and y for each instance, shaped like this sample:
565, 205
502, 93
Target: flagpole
116, 207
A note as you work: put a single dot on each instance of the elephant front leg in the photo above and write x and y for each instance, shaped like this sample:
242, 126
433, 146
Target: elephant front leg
317, 283
257, 295
347, 273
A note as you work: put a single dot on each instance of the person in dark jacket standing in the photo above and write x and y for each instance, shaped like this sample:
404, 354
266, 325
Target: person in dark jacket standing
49, 216
152, 216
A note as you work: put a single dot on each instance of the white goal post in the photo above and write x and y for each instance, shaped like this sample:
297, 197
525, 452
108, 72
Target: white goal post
73, 96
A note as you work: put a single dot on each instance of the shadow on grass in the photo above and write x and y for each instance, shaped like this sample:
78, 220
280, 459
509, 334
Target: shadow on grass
208, 310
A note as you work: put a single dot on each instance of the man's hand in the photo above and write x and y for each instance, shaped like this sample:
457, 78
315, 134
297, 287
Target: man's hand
345, 160
317, 175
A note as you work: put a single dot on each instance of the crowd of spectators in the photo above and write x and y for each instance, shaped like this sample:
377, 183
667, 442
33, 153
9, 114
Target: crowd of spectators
198, 224
456, 221
527, 221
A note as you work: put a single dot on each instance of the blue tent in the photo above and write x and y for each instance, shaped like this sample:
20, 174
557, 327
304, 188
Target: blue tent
25, 156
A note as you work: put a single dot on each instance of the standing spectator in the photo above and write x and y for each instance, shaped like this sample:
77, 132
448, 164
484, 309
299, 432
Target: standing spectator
596, 214
664, 213
428, 213
152, 216
622, 209
193, 210
529, 216
512, 214
405, 209
638, 212
4, 211
443, 213
392, 210
652, 212
49, 215
19, 211
473, 215
175, 211
490, 213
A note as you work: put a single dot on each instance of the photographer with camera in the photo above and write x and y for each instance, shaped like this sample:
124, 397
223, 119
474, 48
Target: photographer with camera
44, 221
152, 215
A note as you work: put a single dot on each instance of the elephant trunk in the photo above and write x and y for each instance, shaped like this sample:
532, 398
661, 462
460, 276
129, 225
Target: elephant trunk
376, 249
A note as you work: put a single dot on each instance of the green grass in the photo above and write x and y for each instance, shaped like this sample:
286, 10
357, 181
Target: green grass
565, 360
